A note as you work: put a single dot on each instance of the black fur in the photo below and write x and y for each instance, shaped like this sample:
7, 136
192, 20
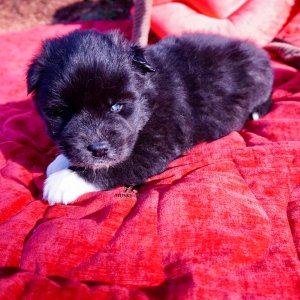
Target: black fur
175, 94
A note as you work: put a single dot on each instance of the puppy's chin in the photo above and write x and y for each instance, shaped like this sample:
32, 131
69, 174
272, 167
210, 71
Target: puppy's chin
95, 166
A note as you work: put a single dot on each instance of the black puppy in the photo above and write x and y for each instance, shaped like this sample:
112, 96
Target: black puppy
119, 114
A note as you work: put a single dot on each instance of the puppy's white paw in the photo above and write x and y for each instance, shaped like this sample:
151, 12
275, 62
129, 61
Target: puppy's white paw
255, 116
59, 163
65, 186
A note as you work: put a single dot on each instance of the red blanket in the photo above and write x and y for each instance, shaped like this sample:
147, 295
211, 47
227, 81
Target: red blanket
222, 221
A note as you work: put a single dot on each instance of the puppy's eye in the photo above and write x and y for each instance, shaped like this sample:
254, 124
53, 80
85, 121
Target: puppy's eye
116, 107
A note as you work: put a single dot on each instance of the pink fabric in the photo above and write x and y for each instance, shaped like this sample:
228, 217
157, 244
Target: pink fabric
290, 32
221, 222
212, 8
257, 20
216, 9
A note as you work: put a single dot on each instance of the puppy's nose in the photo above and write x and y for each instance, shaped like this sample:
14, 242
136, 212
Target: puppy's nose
99, 149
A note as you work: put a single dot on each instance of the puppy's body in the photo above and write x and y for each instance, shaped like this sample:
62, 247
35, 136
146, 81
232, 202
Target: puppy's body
203, 87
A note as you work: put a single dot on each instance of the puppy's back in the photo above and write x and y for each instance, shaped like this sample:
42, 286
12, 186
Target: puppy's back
225, 79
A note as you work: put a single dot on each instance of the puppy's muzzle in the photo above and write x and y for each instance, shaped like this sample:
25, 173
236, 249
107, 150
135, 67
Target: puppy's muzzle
99, 149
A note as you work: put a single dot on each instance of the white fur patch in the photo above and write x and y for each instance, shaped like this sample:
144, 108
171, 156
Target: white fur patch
65, 186
59, 163
255, 116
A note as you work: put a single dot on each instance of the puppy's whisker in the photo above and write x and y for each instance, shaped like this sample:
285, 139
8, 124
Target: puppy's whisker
95, 176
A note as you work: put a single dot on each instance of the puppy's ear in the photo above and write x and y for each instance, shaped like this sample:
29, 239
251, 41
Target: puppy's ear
140, 60
33, 76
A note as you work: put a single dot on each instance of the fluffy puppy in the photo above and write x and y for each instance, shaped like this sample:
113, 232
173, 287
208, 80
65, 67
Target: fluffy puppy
119, 114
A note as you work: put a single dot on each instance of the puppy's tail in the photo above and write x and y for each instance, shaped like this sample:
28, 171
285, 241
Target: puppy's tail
261, 110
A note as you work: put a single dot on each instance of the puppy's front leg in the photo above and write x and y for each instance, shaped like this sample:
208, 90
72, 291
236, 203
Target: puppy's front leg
64, 185
59, 163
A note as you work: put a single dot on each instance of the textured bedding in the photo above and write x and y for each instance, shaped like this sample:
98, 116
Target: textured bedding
222, 222
257, 20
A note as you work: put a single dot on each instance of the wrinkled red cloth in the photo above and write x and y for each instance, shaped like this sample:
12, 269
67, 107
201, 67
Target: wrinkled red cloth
256, 20
222, 222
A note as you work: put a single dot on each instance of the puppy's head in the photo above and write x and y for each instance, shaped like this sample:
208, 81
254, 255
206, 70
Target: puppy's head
89, 89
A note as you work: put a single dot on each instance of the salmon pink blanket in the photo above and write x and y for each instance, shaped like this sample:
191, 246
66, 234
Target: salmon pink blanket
222, 222
257, 20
